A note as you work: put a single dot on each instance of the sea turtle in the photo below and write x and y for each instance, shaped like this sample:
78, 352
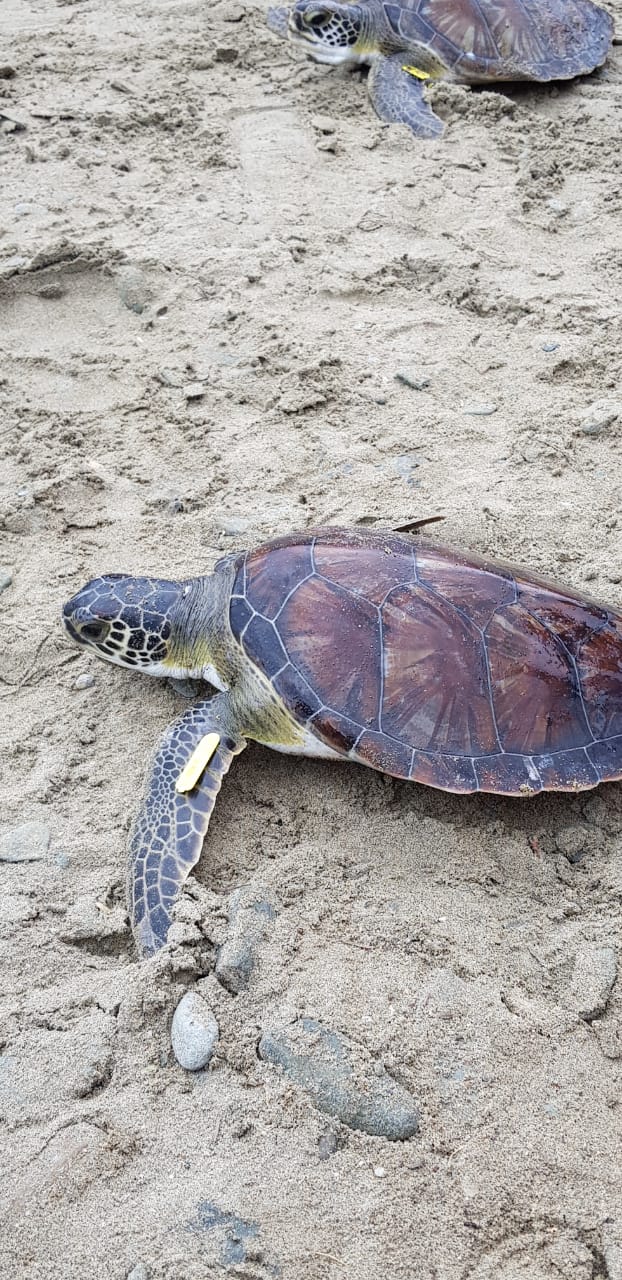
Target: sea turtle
469, 41
424, 662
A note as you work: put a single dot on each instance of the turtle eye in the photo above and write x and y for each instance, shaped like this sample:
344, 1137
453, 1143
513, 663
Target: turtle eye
317, 19
94, 630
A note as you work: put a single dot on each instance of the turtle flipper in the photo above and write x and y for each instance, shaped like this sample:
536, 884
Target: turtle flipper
168, 834
397, 96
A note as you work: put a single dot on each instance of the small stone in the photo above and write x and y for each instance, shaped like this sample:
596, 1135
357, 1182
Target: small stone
550, 346
84, 682
340, 1079
139, 1272
226, 54
327, 1145
409, 380
26, 843
379, 1172
594, 975
234, 13
598, 417
194, 390
62, 860
7, 72
167, 378
479, 410
6, 578
327, 144
233, 526
325, 124
194, 1032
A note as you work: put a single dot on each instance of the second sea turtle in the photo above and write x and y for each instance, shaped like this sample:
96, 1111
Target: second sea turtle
468, 41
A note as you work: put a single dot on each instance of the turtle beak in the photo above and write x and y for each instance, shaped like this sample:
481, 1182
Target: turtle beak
69, 627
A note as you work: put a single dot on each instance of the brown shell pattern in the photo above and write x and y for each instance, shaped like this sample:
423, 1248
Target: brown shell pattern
506, 39
435, 665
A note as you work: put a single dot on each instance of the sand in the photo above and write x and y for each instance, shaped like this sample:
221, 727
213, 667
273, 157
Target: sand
215, 260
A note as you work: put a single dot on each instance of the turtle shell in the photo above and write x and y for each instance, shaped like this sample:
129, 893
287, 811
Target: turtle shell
505, 39
435, 665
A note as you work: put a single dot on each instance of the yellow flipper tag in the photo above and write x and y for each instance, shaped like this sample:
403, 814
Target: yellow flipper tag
198, 762
419, 75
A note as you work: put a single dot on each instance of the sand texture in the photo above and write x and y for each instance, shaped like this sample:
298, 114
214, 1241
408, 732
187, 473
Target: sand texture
214, 264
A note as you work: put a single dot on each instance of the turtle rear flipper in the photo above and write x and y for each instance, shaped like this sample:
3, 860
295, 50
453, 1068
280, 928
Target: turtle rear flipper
168, 834
397, 96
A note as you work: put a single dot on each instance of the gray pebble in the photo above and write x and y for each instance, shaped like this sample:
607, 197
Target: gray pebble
84, 682
62, 860
194, 1032
327, 1145
325, 124
6, 578
26, 843
598, 417
167, 378
341, 1080
405, 464
194, 390
139, 1272
409, 380
550, 346
250, 914
232, 526
479, 410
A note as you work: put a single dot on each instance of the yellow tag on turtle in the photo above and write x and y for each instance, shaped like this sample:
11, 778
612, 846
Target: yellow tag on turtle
419, 75
198, 762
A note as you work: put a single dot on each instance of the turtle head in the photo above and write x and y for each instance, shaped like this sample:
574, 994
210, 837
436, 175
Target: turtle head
328, 31
131, 621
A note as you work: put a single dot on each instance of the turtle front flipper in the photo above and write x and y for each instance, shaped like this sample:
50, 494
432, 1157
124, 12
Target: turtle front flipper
396, 92
182, 785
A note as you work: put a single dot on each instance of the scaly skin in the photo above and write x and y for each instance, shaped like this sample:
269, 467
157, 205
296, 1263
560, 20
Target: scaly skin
188, 624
